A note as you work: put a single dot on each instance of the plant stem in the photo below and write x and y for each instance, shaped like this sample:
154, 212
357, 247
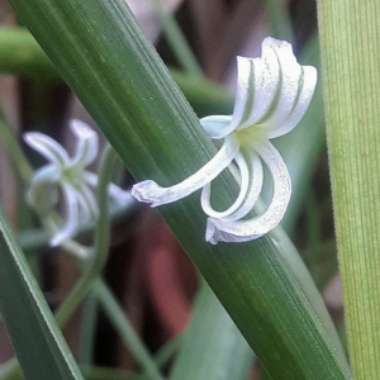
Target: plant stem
351, 54
123, 326
102, 231
33, 63
87, 331
177, 40
281, 25
11, 144
21, 55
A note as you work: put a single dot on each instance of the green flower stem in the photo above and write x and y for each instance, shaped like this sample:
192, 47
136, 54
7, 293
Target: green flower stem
351, 54
10, 143
21, 55
98, 258
87, 330
120, 79
168, 350
125, 329
90, 373
280, 21
177, 40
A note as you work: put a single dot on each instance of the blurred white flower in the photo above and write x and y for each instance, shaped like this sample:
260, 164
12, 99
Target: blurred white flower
273, 94
68, 176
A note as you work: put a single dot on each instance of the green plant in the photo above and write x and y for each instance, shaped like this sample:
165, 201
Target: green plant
256, 299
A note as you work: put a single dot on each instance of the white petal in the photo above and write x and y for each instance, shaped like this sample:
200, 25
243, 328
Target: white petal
87, 143
150, 192
217, 126
40, 194
291, 77
305, 94
88, 205
245, 91
46, 146
244, 183
121, 197
238, 231
256, 183
259, 81
72, 216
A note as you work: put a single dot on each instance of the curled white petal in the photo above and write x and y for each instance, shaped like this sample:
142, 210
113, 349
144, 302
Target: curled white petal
258, 86
150, 192
256, 177
72, 216
87, 143
290, 81
244, 184
244, 230
306, 90
47, 147
217, 126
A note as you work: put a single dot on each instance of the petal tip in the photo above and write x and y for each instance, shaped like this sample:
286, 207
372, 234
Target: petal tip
81, 128
146, 192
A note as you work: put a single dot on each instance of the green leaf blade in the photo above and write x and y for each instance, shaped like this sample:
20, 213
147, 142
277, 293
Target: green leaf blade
39, 345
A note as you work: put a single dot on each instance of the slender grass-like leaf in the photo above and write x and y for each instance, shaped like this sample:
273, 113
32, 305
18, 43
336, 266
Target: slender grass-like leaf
39, 345
350, 45
232, 357
98, 48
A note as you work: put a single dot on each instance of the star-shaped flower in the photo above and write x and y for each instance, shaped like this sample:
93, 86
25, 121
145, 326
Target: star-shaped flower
69, 176
273, 94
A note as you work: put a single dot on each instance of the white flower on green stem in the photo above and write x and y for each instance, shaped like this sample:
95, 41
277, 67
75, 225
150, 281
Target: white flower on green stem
273, 94
68, 175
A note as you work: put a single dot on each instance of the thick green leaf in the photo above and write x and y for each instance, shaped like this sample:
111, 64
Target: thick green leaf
98, 48
39, 344
350, 42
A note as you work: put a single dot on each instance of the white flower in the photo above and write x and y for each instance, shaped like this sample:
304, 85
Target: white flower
68, 175
273, 94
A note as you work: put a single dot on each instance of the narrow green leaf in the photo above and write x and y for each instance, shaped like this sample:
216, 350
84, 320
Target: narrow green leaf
100, 51
39, 344
350, 44
232, 357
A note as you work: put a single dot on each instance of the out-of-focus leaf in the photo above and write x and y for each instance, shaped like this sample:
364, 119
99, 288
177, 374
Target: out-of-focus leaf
39, 344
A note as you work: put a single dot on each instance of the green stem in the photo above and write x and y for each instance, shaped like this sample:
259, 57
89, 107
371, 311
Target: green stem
177, 40
96, 262
11, 144
351, 54
281, 25
33, 63
21, 55
168, 350
87, 331
127, 333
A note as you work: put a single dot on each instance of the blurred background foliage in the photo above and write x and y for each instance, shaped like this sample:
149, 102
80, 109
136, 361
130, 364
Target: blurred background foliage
153, 280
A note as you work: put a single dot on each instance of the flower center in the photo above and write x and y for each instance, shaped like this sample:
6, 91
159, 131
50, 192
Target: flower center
252, 136
73, 175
